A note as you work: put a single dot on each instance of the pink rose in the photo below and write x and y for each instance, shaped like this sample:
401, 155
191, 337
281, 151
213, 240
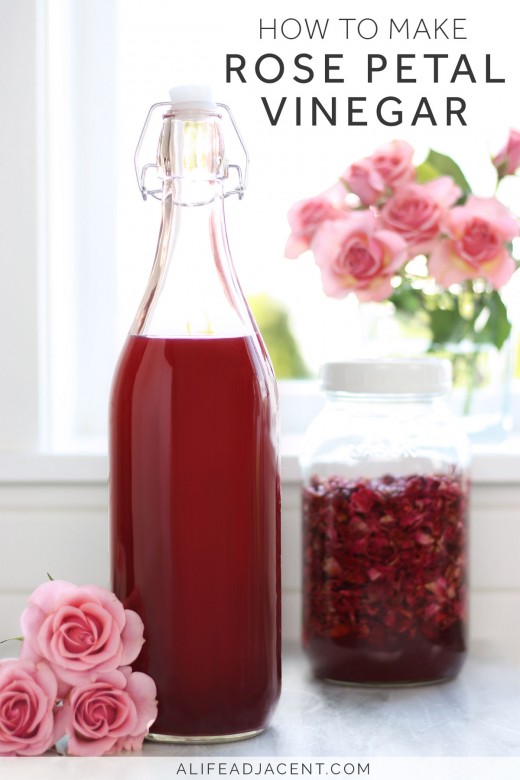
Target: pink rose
364, 181
508, 158
111, 714
389, 167
393, 162
416, 211
357, 255
475, 247
80, 631
27, 698
306, 216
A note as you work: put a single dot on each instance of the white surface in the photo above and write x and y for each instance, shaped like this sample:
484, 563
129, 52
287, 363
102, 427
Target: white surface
477, 714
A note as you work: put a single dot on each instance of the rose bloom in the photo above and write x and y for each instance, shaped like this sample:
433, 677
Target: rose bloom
111, 714
474, 248
306, 216
416, 211
393, 162
358, 255
364, 181
508, 159
80, 631
27, 698
389, 167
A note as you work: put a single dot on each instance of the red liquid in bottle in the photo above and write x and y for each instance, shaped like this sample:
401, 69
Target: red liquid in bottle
195, 528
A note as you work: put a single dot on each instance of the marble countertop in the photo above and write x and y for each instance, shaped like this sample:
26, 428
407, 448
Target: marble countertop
473, 718
478, 714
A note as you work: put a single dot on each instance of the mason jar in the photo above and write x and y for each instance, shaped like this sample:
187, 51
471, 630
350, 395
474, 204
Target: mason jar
385, 501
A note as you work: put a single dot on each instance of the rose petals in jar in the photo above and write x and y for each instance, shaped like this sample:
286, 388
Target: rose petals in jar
385, 577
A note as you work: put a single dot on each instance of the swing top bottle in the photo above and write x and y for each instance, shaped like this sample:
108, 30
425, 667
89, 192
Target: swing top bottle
194, 479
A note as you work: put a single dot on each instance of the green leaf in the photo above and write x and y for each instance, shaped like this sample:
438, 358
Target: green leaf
12, 639
407, 300
445, 325
442, 165
49, 576
426, 172
497, 328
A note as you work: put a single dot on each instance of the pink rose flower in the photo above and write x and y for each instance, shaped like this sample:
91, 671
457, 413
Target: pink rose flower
475, 247
27, 698
389, 167
393, 162
364, 181
306, 216
358, 255
111, 714
508, 159
416, 211
80, 631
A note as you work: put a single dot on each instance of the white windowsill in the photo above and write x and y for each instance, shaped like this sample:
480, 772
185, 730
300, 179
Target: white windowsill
491, 464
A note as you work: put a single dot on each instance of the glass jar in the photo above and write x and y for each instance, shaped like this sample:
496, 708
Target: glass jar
385, 499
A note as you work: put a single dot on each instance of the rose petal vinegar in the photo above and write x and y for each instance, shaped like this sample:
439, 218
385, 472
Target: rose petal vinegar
195, 507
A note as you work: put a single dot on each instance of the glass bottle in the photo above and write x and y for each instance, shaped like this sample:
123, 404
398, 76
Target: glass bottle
385, 499
194, 464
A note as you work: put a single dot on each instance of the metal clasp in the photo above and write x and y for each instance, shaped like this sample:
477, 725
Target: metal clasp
141, 172
242, 177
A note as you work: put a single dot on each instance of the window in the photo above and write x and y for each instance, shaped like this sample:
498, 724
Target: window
100, 65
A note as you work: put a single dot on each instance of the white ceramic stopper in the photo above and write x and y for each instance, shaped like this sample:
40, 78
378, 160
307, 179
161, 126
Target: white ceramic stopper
192, 96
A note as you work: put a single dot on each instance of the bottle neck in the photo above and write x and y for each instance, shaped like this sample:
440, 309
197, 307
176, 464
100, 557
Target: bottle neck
193, 290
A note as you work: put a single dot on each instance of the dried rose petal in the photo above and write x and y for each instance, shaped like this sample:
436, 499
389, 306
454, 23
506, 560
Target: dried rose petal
384, 561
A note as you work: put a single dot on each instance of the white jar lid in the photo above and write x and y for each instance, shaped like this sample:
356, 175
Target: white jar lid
193, 96
407, 376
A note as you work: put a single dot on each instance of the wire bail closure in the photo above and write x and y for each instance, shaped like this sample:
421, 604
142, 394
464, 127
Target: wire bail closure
141, 172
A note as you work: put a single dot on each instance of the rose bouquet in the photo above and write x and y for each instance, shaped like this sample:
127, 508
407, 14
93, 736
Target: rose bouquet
73, 687
418, 237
